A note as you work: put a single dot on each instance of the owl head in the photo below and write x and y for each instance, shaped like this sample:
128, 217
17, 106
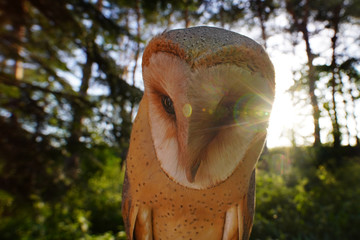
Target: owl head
209, 94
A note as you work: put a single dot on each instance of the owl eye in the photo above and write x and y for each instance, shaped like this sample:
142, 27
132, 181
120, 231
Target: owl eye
168, 105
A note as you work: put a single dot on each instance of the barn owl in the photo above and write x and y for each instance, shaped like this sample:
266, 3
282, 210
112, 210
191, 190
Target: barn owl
198, 133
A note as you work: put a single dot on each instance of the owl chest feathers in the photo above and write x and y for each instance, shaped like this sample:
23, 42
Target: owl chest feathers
174, 210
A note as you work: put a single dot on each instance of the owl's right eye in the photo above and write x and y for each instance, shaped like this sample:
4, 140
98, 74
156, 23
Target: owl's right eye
168, 105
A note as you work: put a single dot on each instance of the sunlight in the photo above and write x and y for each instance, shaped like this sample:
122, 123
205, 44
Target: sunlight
284, 116
281, 120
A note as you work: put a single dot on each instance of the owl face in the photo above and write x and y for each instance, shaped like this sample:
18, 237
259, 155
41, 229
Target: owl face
203, 121
204, 118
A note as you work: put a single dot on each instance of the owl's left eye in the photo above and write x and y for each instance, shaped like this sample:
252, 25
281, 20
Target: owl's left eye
168, 105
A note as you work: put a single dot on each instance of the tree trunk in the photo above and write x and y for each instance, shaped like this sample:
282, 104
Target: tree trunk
72, 164
19, 29
19, 32
186, 15
334, 75
260, 10
137, 52
311, 72
74, 145
301, 23
347, 115
312, 86
354, 115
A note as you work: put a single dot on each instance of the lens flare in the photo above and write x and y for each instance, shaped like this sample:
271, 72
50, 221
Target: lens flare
187, 110
251, 112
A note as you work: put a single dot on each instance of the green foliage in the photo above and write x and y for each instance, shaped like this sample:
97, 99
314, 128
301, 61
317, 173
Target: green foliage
90, 210
56, 140
299, 196
311, 200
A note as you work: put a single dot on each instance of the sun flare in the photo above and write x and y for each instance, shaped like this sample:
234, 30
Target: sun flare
284, 116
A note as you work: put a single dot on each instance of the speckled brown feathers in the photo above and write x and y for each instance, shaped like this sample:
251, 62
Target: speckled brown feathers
190, 170
179, 212
209, 46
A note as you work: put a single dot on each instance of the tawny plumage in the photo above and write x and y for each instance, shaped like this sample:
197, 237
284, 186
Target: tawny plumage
200, 129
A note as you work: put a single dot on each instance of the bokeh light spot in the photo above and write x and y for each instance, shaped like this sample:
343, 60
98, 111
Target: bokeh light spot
187, 110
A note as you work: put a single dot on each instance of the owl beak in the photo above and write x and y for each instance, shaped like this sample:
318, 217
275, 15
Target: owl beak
192, 170
205, 125
191, 163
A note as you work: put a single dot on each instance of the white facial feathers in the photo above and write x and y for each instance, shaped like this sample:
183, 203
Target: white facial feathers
168, 75
226, 109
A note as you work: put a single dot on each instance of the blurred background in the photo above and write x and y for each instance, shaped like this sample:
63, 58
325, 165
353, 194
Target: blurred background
70, 84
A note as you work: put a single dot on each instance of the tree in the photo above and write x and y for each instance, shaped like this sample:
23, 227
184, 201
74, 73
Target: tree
335, 14
50, 127
263, 10
299, 11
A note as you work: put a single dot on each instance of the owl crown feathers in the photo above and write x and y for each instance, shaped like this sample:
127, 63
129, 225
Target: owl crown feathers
209, 46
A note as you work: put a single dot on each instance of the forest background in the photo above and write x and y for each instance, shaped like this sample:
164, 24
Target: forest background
70, 84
